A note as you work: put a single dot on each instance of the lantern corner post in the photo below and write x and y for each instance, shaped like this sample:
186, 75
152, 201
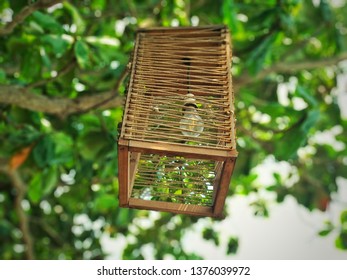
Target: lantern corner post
123, 173
222, 192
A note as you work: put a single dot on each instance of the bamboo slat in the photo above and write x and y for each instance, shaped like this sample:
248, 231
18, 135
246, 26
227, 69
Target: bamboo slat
169, 64
178, 208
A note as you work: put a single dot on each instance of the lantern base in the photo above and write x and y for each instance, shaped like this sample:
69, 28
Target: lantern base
181, 183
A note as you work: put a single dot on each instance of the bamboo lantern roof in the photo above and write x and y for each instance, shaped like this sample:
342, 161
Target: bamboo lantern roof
177, 146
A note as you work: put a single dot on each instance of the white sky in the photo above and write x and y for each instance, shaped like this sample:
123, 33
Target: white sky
289, 233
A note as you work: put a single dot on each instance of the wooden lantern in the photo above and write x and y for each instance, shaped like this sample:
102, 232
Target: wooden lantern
177, 147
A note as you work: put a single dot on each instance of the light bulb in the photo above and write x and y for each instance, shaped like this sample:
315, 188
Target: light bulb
191, 124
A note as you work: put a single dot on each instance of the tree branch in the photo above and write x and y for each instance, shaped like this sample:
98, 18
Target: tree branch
289, 68
66, 69
63, 107
49, 230
21, 190
301, 44
24, 13
23, 97
114, 92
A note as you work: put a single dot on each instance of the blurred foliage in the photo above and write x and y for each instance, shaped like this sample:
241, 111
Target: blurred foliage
69, 165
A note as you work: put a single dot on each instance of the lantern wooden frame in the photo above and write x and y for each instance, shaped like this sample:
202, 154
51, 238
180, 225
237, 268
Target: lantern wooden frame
153, 152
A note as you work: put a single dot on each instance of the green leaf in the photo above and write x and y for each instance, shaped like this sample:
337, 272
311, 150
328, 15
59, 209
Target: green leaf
339, 38
44, 151
48, 22
274, 109
257, 57
31, 65
210, 234
35, 188
98, 4
93, 144
287, 21
5, 228
325, 232
17, 5
63, 148
310, 121
106, 202
123, 218
341, 241
326, 11
109, 168
24, 136
82, 53
306, 95
343, 217
46, 61
34, 28
57, 43
233, 245
76, 17
49, 179
292, 140
264, 19
107, 41
42, 184
277, 177
2, 76
296, 137
229, 14
260, 208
